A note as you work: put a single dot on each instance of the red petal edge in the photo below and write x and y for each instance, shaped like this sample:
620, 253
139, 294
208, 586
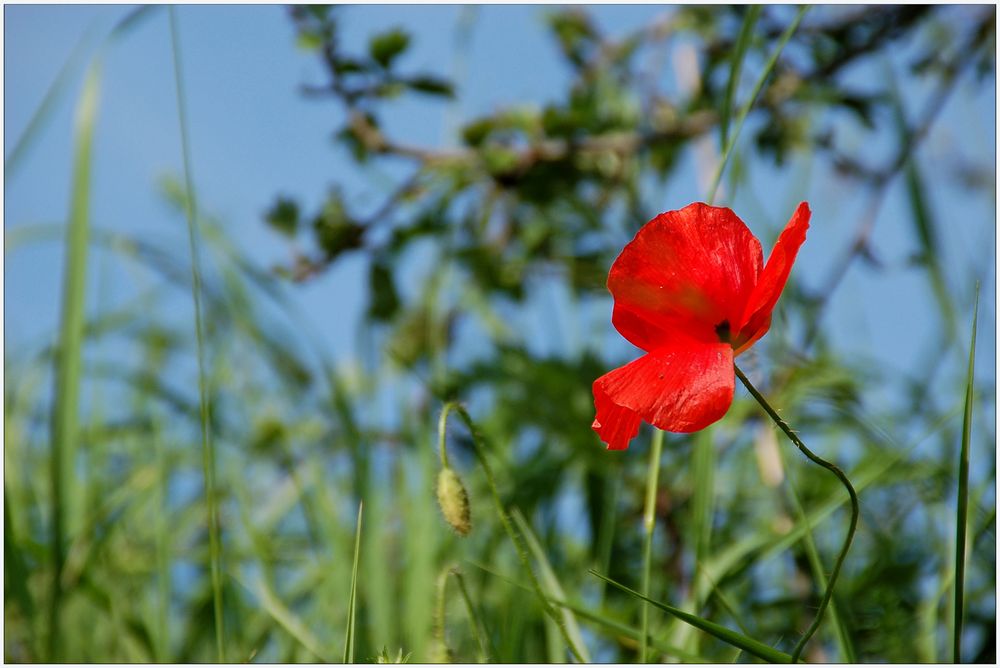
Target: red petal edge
679, 389
757, 315
616, 425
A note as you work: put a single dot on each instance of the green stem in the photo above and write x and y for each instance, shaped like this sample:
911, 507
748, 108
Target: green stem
505, 521
207, 449
442, 424
649, 525
855, 508
68, 360
962, 522
439, 623
474, 621
745, 110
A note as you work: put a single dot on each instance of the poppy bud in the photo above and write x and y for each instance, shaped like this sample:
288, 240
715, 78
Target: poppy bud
454, 501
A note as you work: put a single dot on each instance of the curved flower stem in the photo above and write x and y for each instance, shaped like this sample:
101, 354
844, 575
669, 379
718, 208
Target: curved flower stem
522, 554
855, 508
649, 524
442, 425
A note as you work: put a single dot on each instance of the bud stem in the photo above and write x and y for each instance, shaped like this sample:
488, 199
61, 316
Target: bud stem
505, 519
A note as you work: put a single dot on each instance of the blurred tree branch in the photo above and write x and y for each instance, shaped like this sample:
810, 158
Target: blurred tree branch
532, 190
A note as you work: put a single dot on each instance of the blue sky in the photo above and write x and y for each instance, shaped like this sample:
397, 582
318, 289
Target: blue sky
254, 136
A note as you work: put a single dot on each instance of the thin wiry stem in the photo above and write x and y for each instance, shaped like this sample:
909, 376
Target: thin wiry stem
208, 451
855, 508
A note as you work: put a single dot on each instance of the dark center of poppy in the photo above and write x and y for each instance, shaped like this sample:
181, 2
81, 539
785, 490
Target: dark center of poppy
723, 331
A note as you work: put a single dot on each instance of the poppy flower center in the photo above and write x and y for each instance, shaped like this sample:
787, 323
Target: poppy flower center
724, 332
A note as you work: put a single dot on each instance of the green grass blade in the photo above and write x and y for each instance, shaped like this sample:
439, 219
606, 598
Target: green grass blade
381, 602
727, 605
353, 601
55, 91
16, 571
703, 512
420, 542
65, 407
287, 620
550, 582
927, 617
962, 518
925, 226
475, 622
649, 527
745, 643
617, 627
207, 446
609, 519
739, 52
441, 650
745, 110
131, 20
162, 541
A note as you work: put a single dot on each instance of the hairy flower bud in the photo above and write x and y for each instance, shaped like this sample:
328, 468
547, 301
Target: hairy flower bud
454, 501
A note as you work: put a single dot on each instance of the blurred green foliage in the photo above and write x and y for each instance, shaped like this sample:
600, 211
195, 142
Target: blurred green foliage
532, 198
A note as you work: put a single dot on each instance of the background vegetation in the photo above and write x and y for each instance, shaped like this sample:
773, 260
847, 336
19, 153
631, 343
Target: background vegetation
165, 473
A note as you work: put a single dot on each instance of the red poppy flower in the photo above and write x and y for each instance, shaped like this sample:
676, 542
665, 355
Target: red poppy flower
692, 290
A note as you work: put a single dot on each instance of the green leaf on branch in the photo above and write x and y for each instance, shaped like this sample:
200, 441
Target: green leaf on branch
384, 301
386, 46
335, 231
430, 85
283, 216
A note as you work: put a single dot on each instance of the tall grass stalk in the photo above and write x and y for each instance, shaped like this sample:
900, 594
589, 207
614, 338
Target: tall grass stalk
649, 526
703, 503
287, 620
550, 581
49, 102
475, 623
739, 53
727, 149
65, 408
162, 530
352, 603
962, 514
439, 617
612, 484
207, 446
420, 544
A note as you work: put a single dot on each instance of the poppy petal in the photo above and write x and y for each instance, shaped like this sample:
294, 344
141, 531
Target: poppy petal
685, 272
681, 388
616, 425
757, 315
643, 333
